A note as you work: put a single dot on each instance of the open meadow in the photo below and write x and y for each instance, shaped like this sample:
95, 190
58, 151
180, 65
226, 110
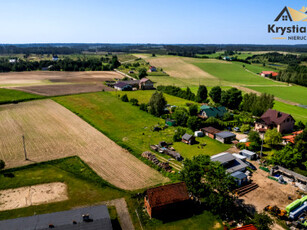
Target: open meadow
53, 132
212, 72
128, 126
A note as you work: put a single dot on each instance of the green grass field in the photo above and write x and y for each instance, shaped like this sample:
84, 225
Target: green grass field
298, 113
203, 221
127, 125
234, 72
11, 96
85, 187
293, 93
143, 96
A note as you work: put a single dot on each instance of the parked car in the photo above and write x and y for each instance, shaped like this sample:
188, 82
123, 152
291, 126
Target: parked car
236, 129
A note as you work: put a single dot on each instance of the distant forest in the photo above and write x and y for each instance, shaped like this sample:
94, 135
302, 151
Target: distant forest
67, 64
181, 50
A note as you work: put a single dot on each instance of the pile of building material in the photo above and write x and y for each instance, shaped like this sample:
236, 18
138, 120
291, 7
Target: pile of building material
246, 189
165, 165
297, 207
165, 148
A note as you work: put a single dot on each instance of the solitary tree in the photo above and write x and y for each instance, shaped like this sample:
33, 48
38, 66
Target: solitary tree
202, 94
193, 123
157, 104
215, 94
124, 98
142, 73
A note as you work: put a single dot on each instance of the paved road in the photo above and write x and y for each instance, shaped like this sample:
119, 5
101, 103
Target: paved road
122, 212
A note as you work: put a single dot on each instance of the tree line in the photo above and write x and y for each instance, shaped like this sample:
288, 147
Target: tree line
66, 64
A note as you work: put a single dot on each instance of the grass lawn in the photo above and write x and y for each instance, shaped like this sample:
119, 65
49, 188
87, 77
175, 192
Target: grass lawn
297, 112
234, 72
292, 93
206, 220
10, 96
85, 187
212, 147
143, 96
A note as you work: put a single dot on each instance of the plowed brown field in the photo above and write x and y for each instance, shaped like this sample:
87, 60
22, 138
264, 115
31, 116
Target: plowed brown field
51, 131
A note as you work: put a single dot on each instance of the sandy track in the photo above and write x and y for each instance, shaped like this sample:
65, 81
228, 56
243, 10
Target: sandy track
32, 195
67, 89
51, 132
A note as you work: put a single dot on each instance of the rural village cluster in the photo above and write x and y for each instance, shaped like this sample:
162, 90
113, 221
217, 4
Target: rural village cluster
153, 137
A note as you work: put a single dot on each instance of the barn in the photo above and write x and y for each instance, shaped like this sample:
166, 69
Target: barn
166, 199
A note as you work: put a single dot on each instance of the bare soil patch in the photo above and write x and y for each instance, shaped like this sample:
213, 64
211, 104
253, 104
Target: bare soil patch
48, 77
178, 67
32, 195
270, 192
67, 89
51, 132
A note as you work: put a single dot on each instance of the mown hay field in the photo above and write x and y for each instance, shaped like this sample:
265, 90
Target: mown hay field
51, 132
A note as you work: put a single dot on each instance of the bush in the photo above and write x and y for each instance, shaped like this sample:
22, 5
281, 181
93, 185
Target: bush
143, 107
178, 134
245, 127
2, 164
134, 101
124, 98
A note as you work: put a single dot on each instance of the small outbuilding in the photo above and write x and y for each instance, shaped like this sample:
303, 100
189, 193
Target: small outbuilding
166, 199
198, 134
240, 178
188, 139
238, 156
249, 154
122, 86
210, 131
225, 137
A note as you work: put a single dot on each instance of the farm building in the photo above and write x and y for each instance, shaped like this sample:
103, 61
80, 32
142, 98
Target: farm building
170, 122
94, 217
198, 134
274, 119
122, 86
164, 199
145, 83
208, 111
133, 83
225, 137
240, 178
248, 154
268, 74
230, 163
242, 158
188, 139
210, 131
152, 69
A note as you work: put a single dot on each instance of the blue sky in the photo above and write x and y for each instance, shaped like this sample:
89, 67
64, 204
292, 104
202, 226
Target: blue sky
136, 21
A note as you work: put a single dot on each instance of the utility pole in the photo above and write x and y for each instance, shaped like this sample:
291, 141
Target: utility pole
261, 146
24, 147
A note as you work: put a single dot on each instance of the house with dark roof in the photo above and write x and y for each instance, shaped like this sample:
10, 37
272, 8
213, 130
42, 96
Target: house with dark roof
208, 111
240, 178
188, 139
283, 122
229, 162
210, 131
225, 137
166, 198
87, 218
145, 83
122, 86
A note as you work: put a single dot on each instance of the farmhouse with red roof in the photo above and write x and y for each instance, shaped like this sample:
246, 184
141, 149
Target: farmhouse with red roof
268, 74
